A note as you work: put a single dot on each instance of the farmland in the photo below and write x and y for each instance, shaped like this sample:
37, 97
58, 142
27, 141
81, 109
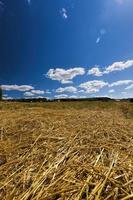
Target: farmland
66, 151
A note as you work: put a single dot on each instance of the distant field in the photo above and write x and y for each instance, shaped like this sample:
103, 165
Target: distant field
66, 151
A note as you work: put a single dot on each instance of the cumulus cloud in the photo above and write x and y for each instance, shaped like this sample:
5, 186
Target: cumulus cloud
93, 86
82, 97
65, 76
95, 71
120, 83
61, 96
28, 94
21, 88
7, 98
65, 96
80, 91
47, 92
116, 66
73, 97
37, 91
77, 97
39, 97
35, 97
70, 89
34, 92
129, 87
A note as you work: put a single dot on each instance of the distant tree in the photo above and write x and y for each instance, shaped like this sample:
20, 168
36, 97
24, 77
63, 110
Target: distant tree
0, 93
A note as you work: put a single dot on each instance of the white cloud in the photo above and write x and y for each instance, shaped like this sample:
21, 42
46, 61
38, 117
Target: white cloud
47, 92
65, 76
61, 96
93, 86
70, 89
64, 96
21, 88
73, 97
7, 98
82, 97
39, 97
102, 32
36, 97
5, 95
28, 94
77, 97
80, 91
116, 66
98, 40
64, 13
33, 93
48, 98
37, 91
95, 71
111, 91
120, 83
129, 87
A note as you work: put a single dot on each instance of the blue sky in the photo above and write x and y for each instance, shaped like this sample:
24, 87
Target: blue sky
66, 48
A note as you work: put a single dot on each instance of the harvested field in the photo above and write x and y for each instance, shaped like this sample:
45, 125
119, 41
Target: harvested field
66, 151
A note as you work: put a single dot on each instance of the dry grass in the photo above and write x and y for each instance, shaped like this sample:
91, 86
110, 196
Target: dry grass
66, 151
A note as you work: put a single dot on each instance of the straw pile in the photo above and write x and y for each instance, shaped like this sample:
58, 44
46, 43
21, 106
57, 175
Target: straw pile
65, 154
